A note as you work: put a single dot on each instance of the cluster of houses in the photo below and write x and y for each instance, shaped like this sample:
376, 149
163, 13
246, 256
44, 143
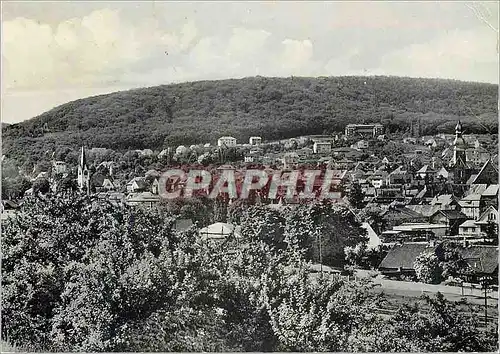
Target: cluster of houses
445, 189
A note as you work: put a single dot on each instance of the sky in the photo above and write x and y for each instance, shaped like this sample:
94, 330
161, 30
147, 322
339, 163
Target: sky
55, 52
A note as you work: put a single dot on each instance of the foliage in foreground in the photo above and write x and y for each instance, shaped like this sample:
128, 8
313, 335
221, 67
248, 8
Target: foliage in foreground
79, 275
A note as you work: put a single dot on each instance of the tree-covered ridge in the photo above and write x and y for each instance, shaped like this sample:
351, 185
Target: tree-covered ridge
273, 108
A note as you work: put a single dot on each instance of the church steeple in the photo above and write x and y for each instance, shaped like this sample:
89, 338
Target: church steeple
458, 130
83, 173
83, 159
459, 162
459, 145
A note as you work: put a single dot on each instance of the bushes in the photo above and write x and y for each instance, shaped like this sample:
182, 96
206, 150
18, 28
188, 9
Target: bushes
82, 275
428, 268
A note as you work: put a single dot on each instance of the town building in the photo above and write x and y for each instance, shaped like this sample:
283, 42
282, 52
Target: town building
59, 167
322, 147
227, 141
361, 145
368, 130
220, 232
143, 199
255, 140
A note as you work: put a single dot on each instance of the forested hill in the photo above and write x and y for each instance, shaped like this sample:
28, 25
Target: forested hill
199, 112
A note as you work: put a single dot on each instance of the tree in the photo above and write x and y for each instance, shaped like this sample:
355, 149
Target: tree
78, 274
491, 232
322, 230
428, 268
261, 223
13, 188
356, 196
432, 325
315, 315
236, 211
41, 185
442, 328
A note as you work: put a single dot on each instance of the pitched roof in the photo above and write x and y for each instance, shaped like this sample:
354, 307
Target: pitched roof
398, 171
451, 214
481, 258
472, 197
219, 230
403, 212
403, 256
421, 194
143, 197
141, 182
485, 175
485, 213
491, 191
442, 172
444, 199
471, 179
425, 169
468, 223
425, 210
477, 189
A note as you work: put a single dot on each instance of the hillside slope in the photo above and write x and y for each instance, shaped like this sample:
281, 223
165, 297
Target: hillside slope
270, 107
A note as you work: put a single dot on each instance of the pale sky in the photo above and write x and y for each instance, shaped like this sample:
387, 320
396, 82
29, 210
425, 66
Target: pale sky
55, 52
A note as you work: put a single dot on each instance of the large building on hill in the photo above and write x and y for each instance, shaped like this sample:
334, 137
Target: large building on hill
226, 141
368, 130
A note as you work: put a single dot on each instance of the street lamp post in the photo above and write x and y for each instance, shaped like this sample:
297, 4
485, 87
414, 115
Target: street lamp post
485, 281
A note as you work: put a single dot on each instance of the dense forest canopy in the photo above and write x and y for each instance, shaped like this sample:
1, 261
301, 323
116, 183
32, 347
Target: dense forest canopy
200, 112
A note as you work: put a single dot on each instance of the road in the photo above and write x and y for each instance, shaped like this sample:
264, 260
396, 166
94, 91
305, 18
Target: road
414, 289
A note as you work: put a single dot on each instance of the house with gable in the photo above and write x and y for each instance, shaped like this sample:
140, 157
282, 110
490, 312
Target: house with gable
446, 202
451, 218
137, 184
487, 175
490, 215
400, 259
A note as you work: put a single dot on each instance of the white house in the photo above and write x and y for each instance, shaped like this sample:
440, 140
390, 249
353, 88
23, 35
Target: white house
145, 152
470, 205
361, 145
181, 149
59, 167
137, 184
469, 229
109, 185
322, 147
255, 140
226, 141
490, 215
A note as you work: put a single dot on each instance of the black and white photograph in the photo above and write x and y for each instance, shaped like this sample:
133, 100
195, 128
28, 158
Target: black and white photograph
249, 176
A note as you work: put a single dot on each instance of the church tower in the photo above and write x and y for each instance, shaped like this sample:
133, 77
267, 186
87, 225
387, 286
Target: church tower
459, 147
83, 173
459, 156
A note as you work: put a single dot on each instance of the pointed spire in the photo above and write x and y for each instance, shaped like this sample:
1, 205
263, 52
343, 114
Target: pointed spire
83, 159
458, 128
